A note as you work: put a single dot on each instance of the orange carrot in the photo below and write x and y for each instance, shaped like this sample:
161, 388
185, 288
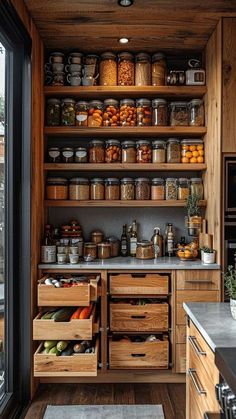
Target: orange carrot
85, 313
76, 314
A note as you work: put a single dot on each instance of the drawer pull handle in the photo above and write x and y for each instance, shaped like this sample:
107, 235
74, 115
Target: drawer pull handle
193, 375
195, 346
138, 317
138, 355
194, 281
138, 276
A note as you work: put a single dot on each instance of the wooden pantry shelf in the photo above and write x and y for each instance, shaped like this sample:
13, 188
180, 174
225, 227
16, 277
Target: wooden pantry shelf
117, 203
119, 167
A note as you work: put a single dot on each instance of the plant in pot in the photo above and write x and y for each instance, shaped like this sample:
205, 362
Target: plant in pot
230, 285
194, 215
208, 255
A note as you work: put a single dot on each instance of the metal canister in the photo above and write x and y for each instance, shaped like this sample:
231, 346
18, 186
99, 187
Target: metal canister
157, 240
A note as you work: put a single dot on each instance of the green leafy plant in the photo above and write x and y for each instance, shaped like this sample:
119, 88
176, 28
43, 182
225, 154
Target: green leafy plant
230, 282
192, 206
207, 250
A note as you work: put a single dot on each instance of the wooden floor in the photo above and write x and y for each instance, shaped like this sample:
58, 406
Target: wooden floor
171, 396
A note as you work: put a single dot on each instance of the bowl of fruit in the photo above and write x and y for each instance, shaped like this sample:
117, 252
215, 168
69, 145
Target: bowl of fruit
187, 252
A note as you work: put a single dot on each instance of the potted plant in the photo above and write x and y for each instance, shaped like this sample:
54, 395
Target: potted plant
208, 255
230, 285
194, 215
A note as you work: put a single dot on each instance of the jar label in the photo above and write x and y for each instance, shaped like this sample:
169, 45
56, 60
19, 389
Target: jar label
54, 154
81, 154
67, 154
81, 117
48, 254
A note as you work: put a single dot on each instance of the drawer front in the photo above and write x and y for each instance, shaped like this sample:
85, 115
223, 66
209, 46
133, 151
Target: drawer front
196, 407
138, 284
180, 334
180, 358
146, 318
198, 280
196, 296
127, 355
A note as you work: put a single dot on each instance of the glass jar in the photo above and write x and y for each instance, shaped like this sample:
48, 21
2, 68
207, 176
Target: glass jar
81, 115
142, 69
90, 249
196, 187
144, 151
97, 189
68, 112
53, 112
128, 114
112, 189
113, 151
196, 113
128, 151
158, 189
171, 189
192, 151
104, 250
159, 112
54, 155
158, 69
96, 151
145, 250
115, 246
142, 188
158, 151
144, 114
96, 236
79, 189
183, 188
179, 113
67, 155
173, 150
95, 113
111, 113
127, 189
57, 188
125, 69
108, 69
81, 155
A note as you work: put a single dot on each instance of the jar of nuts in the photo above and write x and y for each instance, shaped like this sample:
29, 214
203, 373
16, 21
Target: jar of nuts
113, 151
81, 116
127, 189
97, 190
173, 150
158, 69
142, 69
144, 151
128, 151
108, 69
142, 188
111, 113
171, 189
159, 112
95, 113
144, 114
68, 112
158, 151
96, 151
112, 189
125, 69
128, 114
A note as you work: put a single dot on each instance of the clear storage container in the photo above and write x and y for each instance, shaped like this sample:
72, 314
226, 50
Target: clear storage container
111, 113
158, 151
90, 249
171, 189
112, 189
95, 113
81, 115
68, 112
81, 155
192, 151
104, 250
196, 113
158, 69
197, 187
158, 189
97, 189
57, 188
53, 112
128, 113
54, 155
128, 151
125, 69
144, 112
127, 189
179, 113
173, 150
79, 189
142, 69
142, 188
96, 151
159, 112
144, 151
67, 155
183, 188
113, 151
108, 69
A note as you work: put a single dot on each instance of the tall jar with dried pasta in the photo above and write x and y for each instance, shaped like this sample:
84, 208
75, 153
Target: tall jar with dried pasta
108, 69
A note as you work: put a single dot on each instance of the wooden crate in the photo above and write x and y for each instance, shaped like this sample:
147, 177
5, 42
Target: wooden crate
139, 284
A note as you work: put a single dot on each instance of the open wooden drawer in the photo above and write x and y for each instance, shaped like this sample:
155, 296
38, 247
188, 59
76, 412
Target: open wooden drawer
77, 365
139, 284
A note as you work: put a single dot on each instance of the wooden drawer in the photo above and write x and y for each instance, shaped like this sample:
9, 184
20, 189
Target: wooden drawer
180, 358
146, 318
198, 280
180, 334
141, 355
138, 284
196, 407
77, 365
196, 296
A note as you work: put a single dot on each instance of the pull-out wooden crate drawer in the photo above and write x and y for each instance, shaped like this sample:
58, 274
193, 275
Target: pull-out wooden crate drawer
138, 284
77, 365
198, 280
145, 318
189, 296
141, 355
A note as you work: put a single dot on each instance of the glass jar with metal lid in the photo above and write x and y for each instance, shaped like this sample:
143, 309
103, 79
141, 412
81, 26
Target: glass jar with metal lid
95, 113
57, 188
81, 115
179, 113
159, 151
128, 113
111, 113
79, 189
96, 236
144, 112
171, 189
97, 189
142, 69
196, 113
173, 150
142, 188
158, 69
159, 112
67, 155
81, 155
127, 189
192, 151
53, 112
54, 155
90, 250
125, 69
196, 187
112, 189
96, 151
113, 151
68, 112
158, 189
128, 151
144, 151
183, 188
108, 69
104, 250
145, 250
115, 246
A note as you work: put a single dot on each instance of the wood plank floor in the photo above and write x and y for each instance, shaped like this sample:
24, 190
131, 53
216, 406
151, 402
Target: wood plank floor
171, 396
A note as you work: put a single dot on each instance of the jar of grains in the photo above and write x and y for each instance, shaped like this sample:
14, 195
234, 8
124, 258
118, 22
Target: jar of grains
95, 113
196, 187
158, 151
81, 155
144, 114
97, 189
68, 112
104, 250
158, 69
79, 189
115, 246
171, 188
112, 189
128, 151
173, 150
142, 69
144, 151
57, 188
125, 69
111, 113
128, 114
67, 155
108, 69
54, 155
158, 189
159, 112
183, 188
196, 113
113, 151
90, 249
81, 115
96, 151
179, 113
142, 188
53, 112
145, 250
127, 189
96, 236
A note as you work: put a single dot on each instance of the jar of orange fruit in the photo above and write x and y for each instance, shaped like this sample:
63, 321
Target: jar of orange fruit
95, 113
192, 151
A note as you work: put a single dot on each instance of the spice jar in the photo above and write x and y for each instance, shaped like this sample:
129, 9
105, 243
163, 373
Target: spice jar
111, 113
145, 250
67, 155
179, 113
125, 69
128, 114
128, 152
173, 150
183, 188
79, 189
158, 189
90, 249
144, 115
96, 236
171, 189
81, 155
127, 189
142, 188
68, 112
97, 189
115, 246
144, 151
54, 155
192, 151
112, 189
96, 151
113, 151
104, 250
159, 112
158, 151
57, 188
196, 187
142, 69
95, 113
108, 69
81, 115
158, 69
53, 112
196, 113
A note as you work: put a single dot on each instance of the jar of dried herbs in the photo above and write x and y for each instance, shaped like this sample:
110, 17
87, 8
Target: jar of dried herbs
173, 150
171, 189
68, 112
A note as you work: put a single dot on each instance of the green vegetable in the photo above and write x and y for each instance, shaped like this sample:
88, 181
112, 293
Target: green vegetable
62, 345
54, 351
230, 282
45, 351
48, 315
50, 343
63, 314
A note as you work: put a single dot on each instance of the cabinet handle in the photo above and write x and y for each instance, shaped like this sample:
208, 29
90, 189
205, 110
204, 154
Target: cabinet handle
192, 281
193, 375
138, 317
138, 355
196, 347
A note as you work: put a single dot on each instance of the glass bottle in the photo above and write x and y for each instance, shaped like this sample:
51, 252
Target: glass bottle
48, 249
169, 236
133, 239
124, 242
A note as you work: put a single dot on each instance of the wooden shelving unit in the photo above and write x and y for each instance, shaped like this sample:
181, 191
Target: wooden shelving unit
118, 203
120, 167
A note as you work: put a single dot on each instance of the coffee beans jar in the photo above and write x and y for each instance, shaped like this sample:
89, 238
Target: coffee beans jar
81, 116
145, 250
97, 189
53, 112
173, 150
196, 113
112, 189
54, 155
79, 189
179, 113
108, 69
142, 69
81, 155
96, 151
159, 112
144, 151
127, 189
57, 188
68, 112
142, 188
104, 250
111, 113
128, 151
113, 151
183, 188
95, 113
158, 69
144, 114
90, 249
158, 189
125, 69
67, 155
171, 189
128, 114
158, 151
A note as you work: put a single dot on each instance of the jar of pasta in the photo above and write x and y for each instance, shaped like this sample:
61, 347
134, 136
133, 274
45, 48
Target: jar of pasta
108, 69
196, 113
158, 151
144, 114
183, 188
97, 190
144, 151
112, 189
81, 155
179, 113
53, 112
111, 113
95, 113
81, 115
57, 188
142, 188
90, 250
173, 150
196, 187
128, 114
142, 69
96, 151
127, 189
159, 112
192, 151
128, 151
171, 189
125, 69
113, 151
68, 112
104, 250
79, 189
158, 69
158, 189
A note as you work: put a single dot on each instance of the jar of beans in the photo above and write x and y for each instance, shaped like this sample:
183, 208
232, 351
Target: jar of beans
125, 69
128, 114
128, 151
113, 151
142, 69
54, 155
53, 112
183, 188
158, 69
171, 189
90, 250
81, 155
111, 113
173, 150
57, 188
97, 189
159, 112
68, 112
96, 151
158, 189
196, 113
95, 113
144, 151
179, 113
158, 151
127, 189
112, 189
142, 188
81, 115
79, 189
108, 69
144, 114
67, 155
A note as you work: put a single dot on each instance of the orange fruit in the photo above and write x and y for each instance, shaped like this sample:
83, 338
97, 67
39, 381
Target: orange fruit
181, 254
195, 253
189, 154
200, 159
200, 147
187, 254
193, 160
192, 147
184, 147
201, 152
185, 160
195, 153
